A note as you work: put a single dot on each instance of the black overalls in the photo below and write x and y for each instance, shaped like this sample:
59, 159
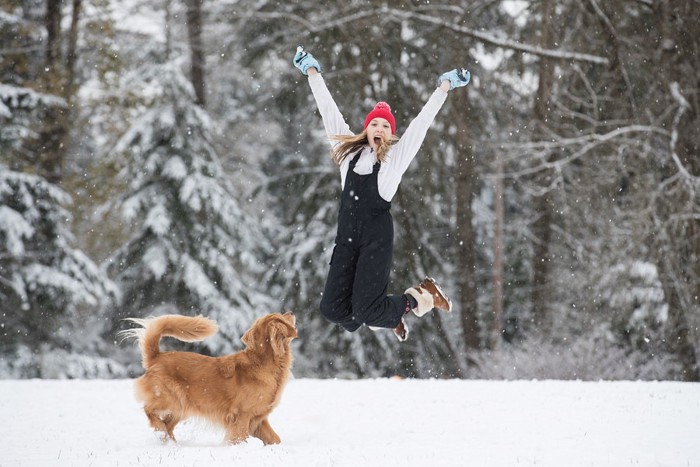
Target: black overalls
358, 279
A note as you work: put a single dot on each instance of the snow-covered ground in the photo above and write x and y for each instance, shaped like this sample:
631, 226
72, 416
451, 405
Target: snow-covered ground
381, 422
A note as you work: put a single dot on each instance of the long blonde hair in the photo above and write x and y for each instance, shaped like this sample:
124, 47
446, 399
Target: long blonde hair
351, 144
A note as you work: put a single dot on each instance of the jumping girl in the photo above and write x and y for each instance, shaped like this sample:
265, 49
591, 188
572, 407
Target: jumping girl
371, 166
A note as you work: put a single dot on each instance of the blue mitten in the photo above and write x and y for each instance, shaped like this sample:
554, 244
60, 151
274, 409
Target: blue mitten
458, 77
304, 61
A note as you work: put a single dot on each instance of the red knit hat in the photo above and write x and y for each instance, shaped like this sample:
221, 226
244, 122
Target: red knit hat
382, 110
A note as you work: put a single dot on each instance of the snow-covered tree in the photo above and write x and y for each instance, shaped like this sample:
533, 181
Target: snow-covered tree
192, 249
48, 288
22, 111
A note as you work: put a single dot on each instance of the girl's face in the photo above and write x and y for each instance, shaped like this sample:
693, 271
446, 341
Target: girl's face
378, 130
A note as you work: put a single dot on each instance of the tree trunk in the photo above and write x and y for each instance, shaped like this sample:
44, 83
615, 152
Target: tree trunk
466, 262
681, 336
542, 226
678, 245
497, 267
194, 30
167, 10
72, 54
53, 33
52, 133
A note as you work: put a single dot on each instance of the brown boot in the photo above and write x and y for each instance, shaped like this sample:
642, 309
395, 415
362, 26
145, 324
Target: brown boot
440, 298
429, 295
401, 331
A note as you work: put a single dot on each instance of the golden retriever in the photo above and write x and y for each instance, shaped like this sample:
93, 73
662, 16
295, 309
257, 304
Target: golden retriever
237, 391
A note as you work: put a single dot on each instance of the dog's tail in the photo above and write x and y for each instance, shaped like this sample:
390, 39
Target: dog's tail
184, 328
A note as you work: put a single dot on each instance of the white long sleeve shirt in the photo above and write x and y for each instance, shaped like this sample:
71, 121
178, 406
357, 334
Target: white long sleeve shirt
400, 154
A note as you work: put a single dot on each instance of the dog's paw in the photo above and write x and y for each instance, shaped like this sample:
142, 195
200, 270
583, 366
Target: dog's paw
236, 440
164, 437
272, 440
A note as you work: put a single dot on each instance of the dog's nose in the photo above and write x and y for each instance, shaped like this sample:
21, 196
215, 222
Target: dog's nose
290, 314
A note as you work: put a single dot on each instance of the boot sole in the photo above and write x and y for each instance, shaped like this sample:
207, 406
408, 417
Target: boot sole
441, 295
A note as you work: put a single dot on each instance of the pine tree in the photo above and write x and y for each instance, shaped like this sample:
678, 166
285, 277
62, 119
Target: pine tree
192, 249
46, 285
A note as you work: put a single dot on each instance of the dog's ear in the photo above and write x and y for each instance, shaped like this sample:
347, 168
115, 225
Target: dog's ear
272, 328
249, 338
281, 333
277, 338
256, 335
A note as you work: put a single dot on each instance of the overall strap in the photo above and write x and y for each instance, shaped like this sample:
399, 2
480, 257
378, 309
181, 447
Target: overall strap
355, 158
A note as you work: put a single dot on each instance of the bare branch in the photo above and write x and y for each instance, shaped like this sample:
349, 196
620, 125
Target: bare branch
683, 105
283, 16
616, 45
394, 14
586, 143
499, 42
311, 27
564, 142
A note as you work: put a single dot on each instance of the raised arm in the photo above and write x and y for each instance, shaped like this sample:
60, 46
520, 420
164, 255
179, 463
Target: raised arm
412, 139
333, 120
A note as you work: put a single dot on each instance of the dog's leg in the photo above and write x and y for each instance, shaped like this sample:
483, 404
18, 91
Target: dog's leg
163, 422
157, 424
170, 422
266, 434
236, 429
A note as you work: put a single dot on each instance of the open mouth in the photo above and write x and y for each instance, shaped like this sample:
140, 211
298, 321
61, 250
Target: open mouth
377, 140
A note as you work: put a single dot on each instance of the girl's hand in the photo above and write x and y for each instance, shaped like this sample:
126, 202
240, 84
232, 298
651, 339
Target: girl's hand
457, 78
304, 61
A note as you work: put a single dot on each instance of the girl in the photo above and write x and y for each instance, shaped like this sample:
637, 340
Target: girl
371, 165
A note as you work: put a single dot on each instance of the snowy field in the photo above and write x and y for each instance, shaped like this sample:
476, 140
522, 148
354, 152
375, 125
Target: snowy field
381, 422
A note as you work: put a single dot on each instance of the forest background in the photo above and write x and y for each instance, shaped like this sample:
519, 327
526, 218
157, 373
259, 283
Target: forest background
165, 156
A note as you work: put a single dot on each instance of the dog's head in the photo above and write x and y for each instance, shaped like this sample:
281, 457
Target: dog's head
277, 329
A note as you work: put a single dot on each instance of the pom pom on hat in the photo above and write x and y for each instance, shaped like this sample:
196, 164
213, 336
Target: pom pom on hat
382, 110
